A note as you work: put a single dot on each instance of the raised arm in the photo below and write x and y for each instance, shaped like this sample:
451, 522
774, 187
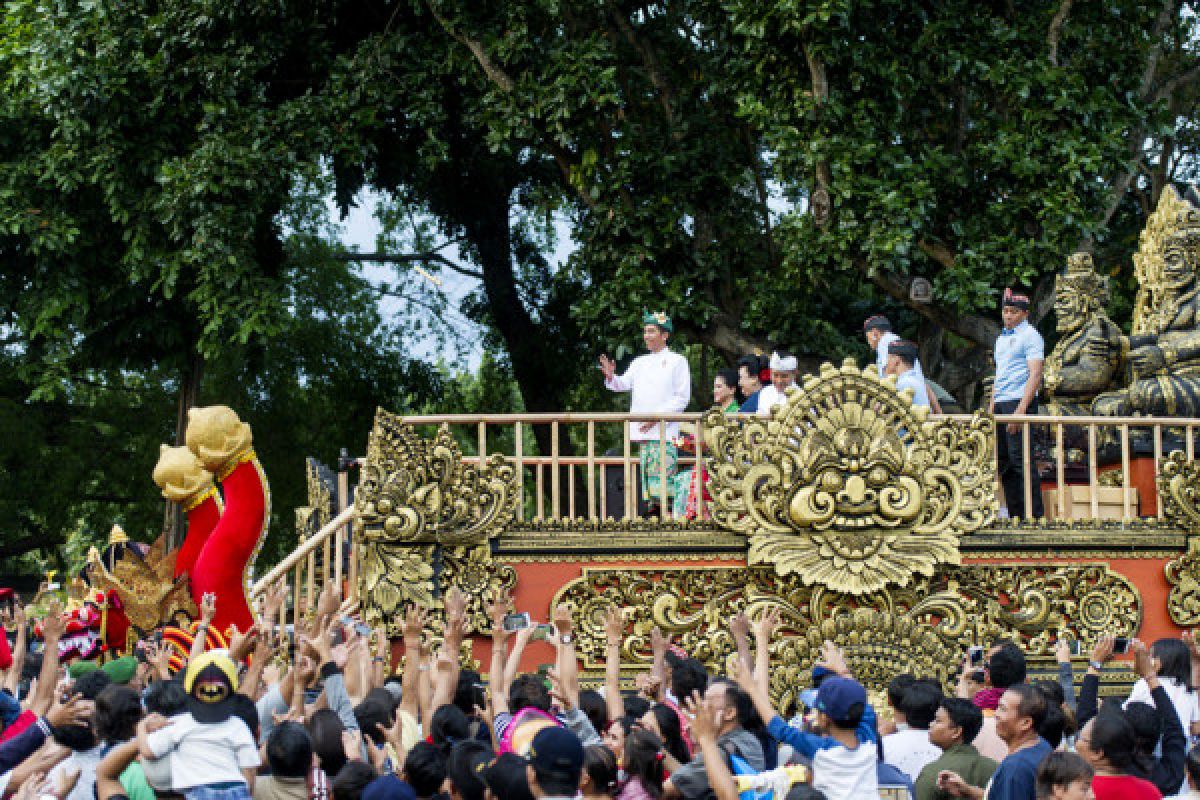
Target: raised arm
704, 733
53, 627
658, 668
108, 771
448, 669
764, 628
208, 610
414, 624
614, 632
498, 691
12, 681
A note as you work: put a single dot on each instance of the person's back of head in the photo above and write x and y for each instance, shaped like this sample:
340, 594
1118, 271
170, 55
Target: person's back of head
1111, 736
636, 705
373, 712
688, 675
1053, 726
352, 779
897, 686
289, 750
506, 778
601, 770
325, 727
802, 791
91, 684
467, 694
920, 703
1147, 726
1006, 667
448, 727
529, 691
1058, 772
166, 698
592, 704
425, 769
118, 712
83, 737
964, 715
642, 760
1174, 661
1052, 690
464, 768
672, 731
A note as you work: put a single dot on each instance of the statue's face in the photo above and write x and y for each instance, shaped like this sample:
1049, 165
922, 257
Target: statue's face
1177, 270
1070, 308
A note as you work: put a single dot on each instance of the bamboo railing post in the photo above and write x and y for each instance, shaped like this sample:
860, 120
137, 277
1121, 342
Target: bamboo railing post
1093, 477
630, 503
540, 483
1158, 463
1060, 471
663, 508
698, 475
1127, 511
343, 488
1027, 463
591, 469
519, 455
482, 444
555, 507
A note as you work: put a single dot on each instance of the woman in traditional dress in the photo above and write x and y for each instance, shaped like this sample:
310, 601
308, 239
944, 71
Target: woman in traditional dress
686, 488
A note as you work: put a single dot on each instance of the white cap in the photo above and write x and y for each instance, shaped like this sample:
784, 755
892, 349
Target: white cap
788, 364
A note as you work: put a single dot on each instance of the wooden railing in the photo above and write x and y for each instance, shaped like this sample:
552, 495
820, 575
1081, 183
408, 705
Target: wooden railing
588, 467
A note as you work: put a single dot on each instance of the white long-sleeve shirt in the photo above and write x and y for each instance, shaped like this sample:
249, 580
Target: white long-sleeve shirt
661, 383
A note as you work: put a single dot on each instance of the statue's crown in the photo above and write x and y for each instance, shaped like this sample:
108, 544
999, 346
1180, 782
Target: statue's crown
1082, 277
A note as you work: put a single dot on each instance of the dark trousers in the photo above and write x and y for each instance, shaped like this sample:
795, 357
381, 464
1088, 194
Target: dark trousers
1010, 466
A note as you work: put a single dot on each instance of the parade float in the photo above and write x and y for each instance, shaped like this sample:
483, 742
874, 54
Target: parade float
864, 519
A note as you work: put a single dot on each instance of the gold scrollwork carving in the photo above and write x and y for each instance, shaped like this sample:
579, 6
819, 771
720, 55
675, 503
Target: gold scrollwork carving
419, 490
1183, 574
922, 628
149, 590
850, 486
1179, 491
480, 577
392, 577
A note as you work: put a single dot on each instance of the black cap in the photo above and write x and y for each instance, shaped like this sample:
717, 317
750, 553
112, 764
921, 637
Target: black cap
506, 778
556, 751
877, 323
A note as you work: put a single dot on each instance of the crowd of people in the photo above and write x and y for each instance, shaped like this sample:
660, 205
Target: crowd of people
327, 711
659, 382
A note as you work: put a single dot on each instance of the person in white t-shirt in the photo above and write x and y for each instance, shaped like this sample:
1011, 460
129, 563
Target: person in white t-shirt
660, 382
1172, 660
909, 750
783, 377
212, 753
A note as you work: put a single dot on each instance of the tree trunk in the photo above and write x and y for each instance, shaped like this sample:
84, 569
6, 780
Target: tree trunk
191, 377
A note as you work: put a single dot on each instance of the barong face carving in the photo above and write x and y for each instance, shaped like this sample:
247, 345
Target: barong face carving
848, 485
419, 490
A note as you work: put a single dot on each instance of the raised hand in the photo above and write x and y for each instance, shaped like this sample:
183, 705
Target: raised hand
739, 626
497, 609
240, 644
414, 623
329, 599
658, 642
561, 620
456, 604
833, 659
275, 599
768, 623
608, 367
1189, 638
704, 725
352, 742
1103, 650
1143, 660
53, 627
75, 711
614, 626
208, 608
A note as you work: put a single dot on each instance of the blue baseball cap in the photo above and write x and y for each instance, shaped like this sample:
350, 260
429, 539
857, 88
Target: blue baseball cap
837, 695
388, 787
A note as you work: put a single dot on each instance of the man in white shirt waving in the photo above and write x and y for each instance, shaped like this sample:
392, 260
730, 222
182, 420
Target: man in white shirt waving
661, 383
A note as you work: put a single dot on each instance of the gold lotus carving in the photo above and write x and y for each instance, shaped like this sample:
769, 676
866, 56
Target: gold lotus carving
850, 486
922, 629
1179, 491
417, 490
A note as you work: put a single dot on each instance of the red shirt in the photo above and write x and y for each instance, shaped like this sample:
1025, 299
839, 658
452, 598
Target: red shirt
1124, 787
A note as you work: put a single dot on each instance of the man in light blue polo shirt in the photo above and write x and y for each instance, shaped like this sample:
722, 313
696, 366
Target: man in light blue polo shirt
1020, 354
901, 358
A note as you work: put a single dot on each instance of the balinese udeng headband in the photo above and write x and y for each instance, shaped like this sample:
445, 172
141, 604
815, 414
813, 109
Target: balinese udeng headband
1015, 300
783, 363
658, 318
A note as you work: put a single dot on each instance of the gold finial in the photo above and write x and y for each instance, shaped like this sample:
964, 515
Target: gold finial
216, 435
180, 475
117, 535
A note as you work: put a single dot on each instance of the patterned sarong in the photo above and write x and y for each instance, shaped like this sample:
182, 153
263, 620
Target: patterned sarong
652, 471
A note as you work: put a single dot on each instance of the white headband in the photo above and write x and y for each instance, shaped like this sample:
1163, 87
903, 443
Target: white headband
788, 364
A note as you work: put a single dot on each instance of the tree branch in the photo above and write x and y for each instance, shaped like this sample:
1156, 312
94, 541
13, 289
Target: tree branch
495, 73
666, 96
408, 258
1056, 26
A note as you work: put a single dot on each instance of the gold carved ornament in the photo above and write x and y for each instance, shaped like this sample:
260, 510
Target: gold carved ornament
146, 584
1178, 483
418, 502
850, 486
1152, 311
923, 628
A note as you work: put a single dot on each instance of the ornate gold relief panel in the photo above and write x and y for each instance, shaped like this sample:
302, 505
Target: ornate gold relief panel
416, 490
848, 485
922, 628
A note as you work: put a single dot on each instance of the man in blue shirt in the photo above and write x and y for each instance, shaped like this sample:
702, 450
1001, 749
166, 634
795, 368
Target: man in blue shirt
1020, 354
902, 356
1021, 711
